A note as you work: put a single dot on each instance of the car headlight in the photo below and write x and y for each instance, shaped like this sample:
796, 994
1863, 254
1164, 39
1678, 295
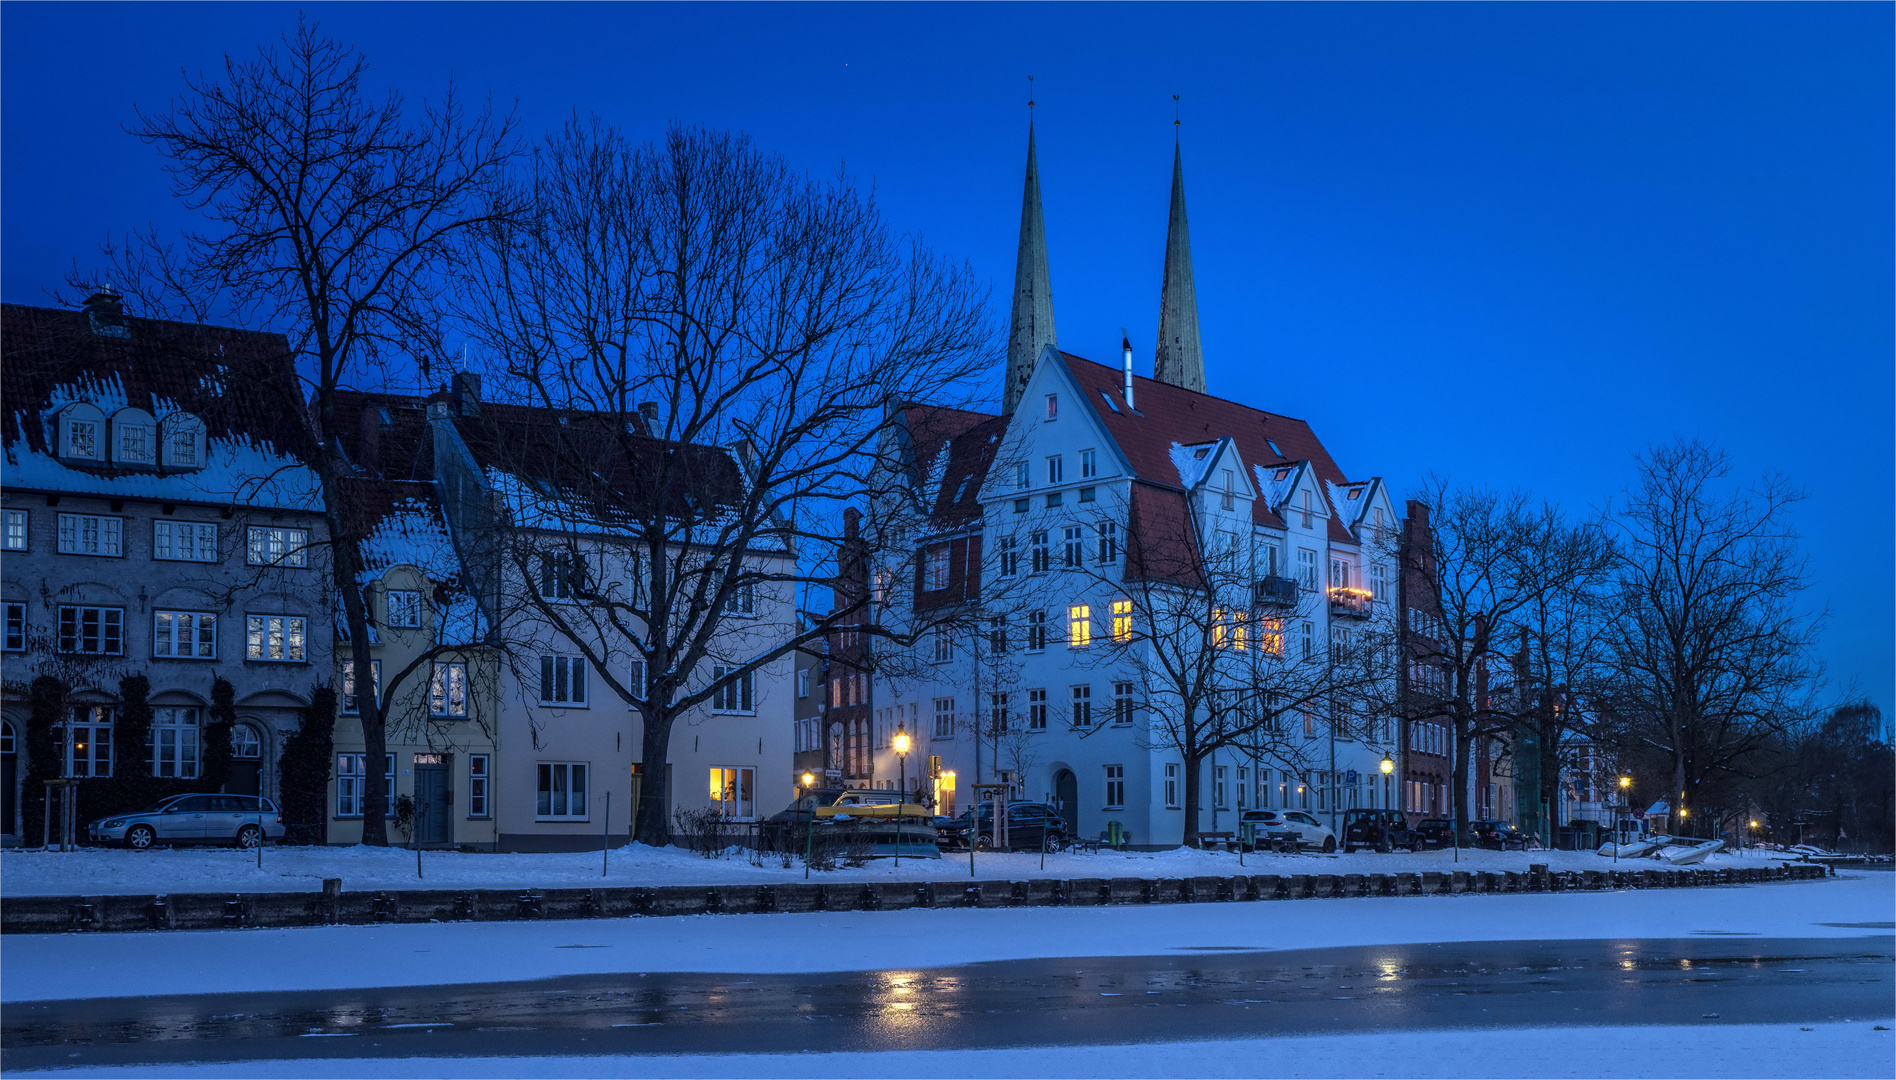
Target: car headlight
113, 824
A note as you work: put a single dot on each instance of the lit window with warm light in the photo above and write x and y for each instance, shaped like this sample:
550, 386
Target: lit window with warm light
1079, 626
1122, 620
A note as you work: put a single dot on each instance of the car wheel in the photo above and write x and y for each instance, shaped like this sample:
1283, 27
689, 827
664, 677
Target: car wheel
982, 843
1055, 843
250, 836
1329, 844
141, 837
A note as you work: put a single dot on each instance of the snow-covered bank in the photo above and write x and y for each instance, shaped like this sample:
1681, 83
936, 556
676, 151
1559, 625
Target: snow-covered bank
111, 871
1750, 1050
50, 966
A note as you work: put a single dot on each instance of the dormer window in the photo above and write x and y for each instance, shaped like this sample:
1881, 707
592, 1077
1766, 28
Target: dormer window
181, 442
81, 433
134, 438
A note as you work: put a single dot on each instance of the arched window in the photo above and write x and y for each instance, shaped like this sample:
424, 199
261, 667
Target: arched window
174, 743
245, 743
182, 442
84, 742
6, 744
82, 432
134, 437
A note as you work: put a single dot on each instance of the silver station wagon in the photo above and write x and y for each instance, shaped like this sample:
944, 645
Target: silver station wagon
243, 820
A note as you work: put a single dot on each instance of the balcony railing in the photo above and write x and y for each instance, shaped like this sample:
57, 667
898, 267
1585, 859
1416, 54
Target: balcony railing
1274, 592
1350, 603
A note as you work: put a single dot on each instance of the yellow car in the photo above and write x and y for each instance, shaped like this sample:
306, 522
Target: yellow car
873, 804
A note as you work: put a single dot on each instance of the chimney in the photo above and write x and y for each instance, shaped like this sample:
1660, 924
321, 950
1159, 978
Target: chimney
648, 416
1125, 352
105, 310
369, 450
852, 523
467, 393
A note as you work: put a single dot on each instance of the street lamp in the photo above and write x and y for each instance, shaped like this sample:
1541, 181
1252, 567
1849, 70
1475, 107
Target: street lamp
901, 745
1387, 765
809, 826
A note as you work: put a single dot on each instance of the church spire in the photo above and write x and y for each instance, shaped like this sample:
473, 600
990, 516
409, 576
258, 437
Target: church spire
1179, 359
1031, 328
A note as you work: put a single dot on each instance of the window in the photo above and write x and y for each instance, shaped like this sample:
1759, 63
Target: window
1171, 787
277, 547
937, 576
275, 637
1053, 406
997, 635
1036, 631
944, 645
1082, 706
1270, 636
944, 718
1022, 478
562, 792
13, 535
1041, 557
997, 713
1310, 721
803, 682
1074, 545
82, 439
91, 534
1010, 557
1056, 469
560, 575
1244, 779
15, 627
92, 631
734, 790
245, 743
349, 702
1079, 626
1122, 621
447, 690
1053, 499
1218, 787
1122, 703
1089, 467
1225, 496
174, 743
1307, 569
1339, 574
563, 680
1271, 559
1088, 494
735, 692
404, 607
1308, 632
184, 541
184, 635
1036, 710
84, 741
137, 442
477, 776
1379, 582
742, 599
1108, 541
1115, 787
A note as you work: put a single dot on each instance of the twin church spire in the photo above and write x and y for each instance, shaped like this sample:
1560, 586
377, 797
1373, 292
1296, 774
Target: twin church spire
1178, 360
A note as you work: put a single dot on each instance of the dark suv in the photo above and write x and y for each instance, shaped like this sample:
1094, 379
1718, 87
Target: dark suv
1381, 830
1435, 832
1029, 825
1499, 835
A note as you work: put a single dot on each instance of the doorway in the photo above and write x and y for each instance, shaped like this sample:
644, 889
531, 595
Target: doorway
9, 780
431, 803
246, 761
1066, 794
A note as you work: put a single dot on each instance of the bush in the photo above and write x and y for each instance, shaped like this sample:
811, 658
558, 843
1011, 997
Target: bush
217, 733
46, 705
304, 771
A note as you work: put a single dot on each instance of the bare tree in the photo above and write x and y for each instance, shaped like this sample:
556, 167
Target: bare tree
1493, 565
726, 341
1711, 656
328, 217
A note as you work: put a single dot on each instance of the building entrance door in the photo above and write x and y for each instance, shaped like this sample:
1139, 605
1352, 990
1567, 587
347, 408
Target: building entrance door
431, 804
1066, 792
246, 762
9, 781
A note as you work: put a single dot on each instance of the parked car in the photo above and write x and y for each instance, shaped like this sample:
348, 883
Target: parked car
1435, 832
1379, 830
805, 806
872, 804
243, 820
1028, 825
1499, 835
1295, 826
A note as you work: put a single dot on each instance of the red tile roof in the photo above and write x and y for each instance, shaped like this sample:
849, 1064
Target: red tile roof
970, 439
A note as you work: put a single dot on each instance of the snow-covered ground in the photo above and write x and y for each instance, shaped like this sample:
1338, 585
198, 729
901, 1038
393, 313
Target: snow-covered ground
105, 871
50, 966
1713, 1050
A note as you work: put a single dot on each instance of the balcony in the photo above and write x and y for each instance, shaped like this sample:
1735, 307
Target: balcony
1350, 603
1274, 592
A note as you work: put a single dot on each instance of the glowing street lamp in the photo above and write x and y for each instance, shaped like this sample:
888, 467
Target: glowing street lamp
901, 745
1387, 765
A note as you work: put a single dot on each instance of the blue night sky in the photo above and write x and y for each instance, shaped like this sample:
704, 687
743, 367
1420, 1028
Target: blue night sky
1509, 243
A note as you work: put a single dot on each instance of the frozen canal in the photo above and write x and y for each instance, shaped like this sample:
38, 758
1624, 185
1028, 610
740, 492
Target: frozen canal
1205, 994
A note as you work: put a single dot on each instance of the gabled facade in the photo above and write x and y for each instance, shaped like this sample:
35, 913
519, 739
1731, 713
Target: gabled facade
160, 519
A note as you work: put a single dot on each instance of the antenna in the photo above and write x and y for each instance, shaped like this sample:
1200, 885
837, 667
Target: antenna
1030, 98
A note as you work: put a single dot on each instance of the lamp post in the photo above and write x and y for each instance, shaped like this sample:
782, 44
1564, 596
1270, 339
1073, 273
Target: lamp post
901, 745
809, 827
1626, 807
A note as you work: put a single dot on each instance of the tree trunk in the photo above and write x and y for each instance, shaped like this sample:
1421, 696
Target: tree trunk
654, 826
1194, 762
1460, 781
345, 560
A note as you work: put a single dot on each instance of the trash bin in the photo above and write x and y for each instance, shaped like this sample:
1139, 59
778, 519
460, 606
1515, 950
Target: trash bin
1115, 834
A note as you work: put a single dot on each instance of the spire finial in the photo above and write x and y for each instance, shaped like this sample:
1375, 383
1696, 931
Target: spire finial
1030, 329
1179, 359
1174, 117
